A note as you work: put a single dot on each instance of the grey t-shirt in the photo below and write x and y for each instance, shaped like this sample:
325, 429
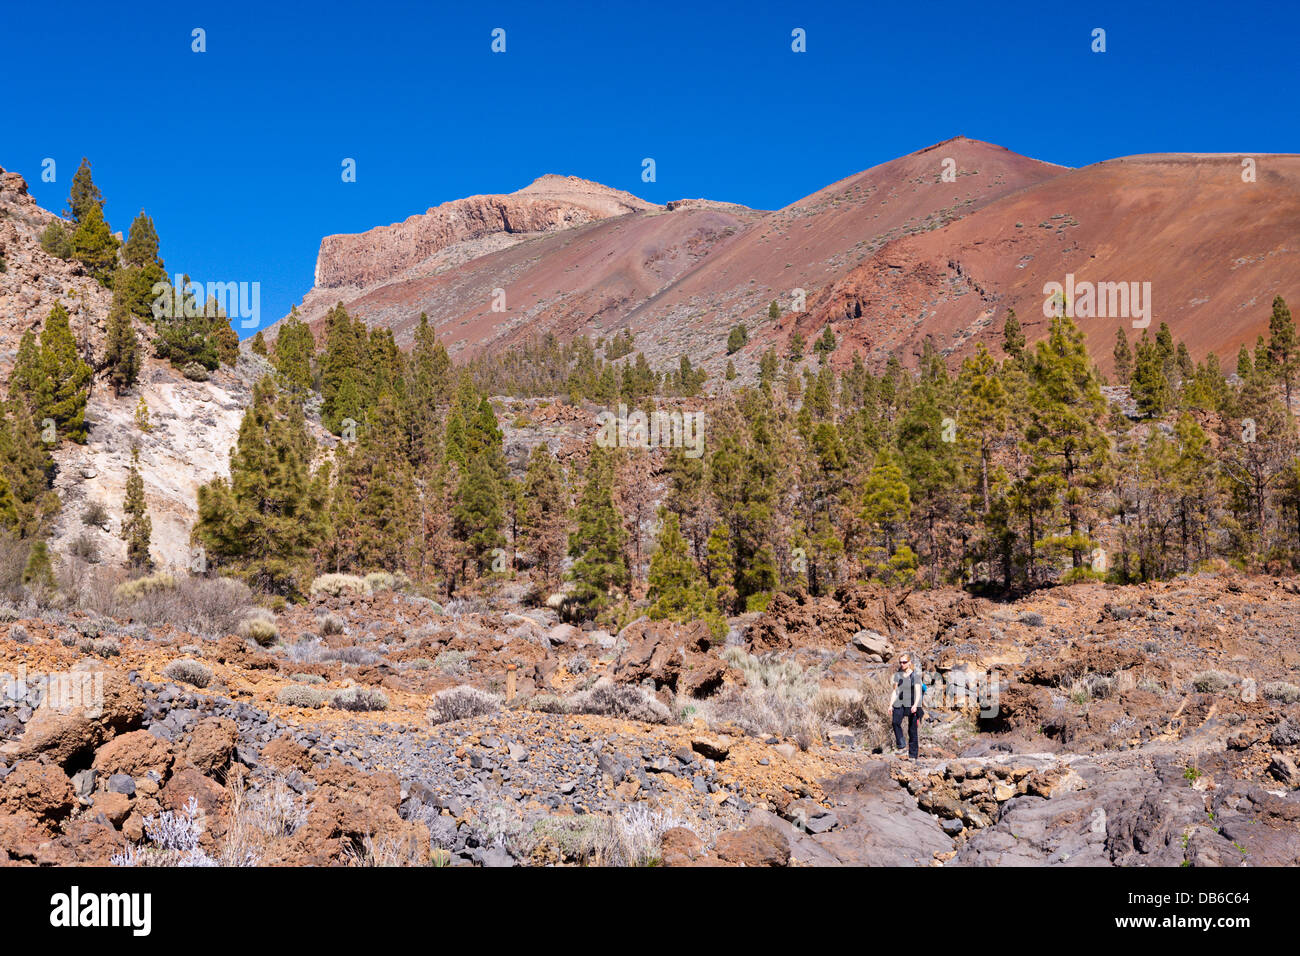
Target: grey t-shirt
905, 688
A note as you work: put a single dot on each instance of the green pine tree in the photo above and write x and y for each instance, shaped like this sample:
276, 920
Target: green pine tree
596, 543
137, 529
64, 384
85, 195
264, 523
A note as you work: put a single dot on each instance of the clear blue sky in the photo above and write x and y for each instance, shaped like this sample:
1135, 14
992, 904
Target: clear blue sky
236, 152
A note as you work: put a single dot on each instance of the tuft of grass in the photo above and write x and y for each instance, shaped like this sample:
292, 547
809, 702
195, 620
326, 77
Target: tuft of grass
137, 588
337, 585
260, 627
330, 624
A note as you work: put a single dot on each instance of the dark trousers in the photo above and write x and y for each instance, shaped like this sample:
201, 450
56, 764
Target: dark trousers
913, 729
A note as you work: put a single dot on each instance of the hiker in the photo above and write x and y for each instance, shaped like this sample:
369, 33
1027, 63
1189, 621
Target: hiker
906, 704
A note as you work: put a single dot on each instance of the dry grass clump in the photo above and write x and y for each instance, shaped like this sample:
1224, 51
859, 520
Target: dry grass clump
547, 704
330, 624
259, 627
337, 585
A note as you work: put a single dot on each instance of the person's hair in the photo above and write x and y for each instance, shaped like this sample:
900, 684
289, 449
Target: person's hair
905, 658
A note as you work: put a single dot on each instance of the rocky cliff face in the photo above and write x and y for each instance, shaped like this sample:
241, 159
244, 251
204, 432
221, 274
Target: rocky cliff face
33, 281
194, 424
354, 262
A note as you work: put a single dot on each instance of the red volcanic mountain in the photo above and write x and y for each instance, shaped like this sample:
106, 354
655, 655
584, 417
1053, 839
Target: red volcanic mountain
938, 243
1214, 248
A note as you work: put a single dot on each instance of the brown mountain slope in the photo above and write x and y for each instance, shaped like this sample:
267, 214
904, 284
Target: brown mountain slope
821, 237
1214, 248
678, 276
350, 266
583, 278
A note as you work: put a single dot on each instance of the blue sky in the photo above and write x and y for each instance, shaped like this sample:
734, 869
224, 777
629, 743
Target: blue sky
237, 152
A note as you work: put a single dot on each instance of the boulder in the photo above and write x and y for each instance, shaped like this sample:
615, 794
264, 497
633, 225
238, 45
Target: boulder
212, 745
134, 754
755, 846
39, 792
874, 645
84, 708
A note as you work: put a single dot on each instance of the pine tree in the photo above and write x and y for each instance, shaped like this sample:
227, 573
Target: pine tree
1066, 442
545, 513
258, 345
39, 572
428, 386
121, 347
295, 347
370, 508
774, 310
1283, 349
27, 467
737, 338
64, 384
94, 246
794, 351
886, 508
1013, 340
345, 370
825, 344
10, 520
1149, 384
596, 543
142, 270
677, 591
185, 333
85, 195
137, 529
1123, 358
25, 379
266, 520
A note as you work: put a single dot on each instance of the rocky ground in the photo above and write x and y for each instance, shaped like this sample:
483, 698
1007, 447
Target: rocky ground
1084, 725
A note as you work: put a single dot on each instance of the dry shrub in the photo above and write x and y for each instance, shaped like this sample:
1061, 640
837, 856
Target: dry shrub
359, 698
459, 703
607, 699
188, 671
296, 695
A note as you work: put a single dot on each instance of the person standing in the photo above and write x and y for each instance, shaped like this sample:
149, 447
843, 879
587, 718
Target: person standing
905, 705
